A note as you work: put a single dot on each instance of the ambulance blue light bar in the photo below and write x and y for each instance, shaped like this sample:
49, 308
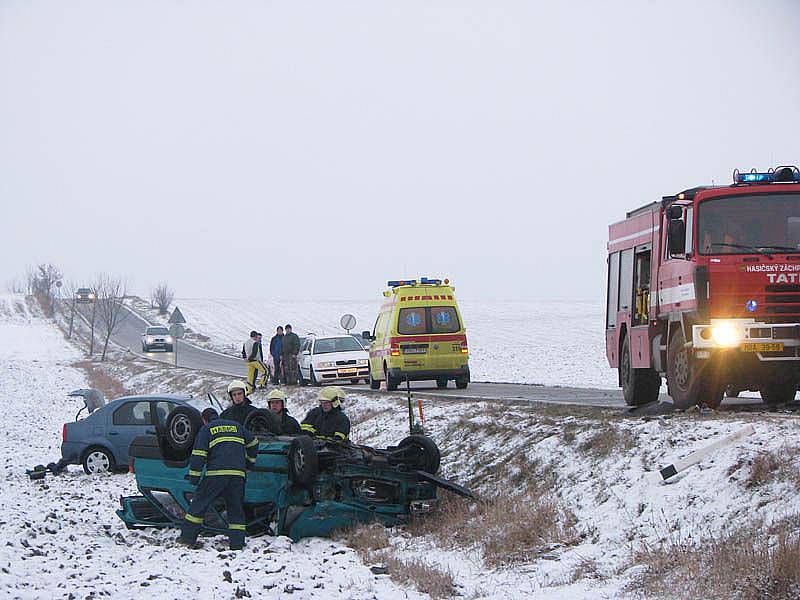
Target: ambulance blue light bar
401, 282
426, 281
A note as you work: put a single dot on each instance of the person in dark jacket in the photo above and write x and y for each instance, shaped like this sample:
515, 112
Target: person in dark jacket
290, 348
328, 420
240, 404
276, 401
275, 345
223, 451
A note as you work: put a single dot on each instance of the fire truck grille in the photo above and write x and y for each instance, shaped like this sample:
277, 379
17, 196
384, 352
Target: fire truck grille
782, 300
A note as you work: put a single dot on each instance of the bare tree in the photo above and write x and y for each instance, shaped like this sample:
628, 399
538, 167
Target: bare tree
109, 294
46, 281
162, 297
69, 304
15, 286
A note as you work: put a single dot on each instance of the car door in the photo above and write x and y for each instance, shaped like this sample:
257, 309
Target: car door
305, 358
130, 419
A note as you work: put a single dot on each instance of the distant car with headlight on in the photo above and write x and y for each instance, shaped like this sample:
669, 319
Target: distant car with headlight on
332, 358
84, 295
157, 338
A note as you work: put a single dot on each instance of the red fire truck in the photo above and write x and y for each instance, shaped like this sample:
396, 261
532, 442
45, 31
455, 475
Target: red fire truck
704, 289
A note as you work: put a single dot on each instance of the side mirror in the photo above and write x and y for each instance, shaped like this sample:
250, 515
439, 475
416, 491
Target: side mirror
367, 335
674, 212
306, 352
677, 237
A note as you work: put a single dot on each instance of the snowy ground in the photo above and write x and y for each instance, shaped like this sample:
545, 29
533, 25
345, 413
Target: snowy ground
61, 536
547, 342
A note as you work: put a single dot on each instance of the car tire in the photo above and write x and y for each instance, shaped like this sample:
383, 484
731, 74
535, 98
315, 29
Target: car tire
303, 380
462, 382
355, 381
426, 456
183, 424
774, 394
262, 422
441, 383
313, 377
374, 384
639, 386
303, 461
391, 382
98, 460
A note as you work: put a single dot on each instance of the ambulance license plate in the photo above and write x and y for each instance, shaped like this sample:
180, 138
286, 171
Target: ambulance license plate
763, 347
347, 371
415, 349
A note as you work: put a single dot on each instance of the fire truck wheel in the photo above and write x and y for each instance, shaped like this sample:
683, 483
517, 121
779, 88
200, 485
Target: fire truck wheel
778, 393
684, 385
639, 386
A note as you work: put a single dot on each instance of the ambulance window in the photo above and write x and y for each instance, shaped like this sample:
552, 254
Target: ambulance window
411, 321
626, 279
444, 319
613, 290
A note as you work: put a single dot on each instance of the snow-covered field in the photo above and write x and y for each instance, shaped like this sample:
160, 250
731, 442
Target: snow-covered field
61, 536
546, 342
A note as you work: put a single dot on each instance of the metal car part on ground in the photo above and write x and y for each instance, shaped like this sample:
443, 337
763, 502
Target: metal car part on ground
298, 487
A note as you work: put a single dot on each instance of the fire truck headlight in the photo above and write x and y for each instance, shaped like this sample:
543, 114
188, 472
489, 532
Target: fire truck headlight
726, 334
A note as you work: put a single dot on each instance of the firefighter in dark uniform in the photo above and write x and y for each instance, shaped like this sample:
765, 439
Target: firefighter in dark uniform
276, 400
226, 449
240, 404
328, 420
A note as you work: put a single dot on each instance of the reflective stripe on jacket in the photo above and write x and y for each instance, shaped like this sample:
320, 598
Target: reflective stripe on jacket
223, 447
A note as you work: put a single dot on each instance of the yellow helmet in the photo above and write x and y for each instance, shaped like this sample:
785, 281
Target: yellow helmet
237, 385
334, 395
277, 395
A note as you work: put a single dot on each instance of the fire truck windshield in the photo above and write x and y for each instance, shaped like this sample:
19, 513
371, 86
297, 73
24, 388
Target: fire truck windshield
749, 224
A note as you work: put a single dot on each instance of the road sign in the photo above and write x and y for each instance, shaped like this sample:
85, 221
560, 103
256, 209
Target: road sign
177, 330
348, 322
176, 316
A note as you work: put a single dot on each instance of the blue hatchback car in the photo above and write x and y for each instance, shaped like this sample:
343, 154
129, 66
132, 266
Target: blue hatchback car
100, 440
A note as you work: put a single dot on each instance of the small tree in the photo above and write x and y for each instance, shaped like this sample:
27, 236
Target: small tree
69, 304
162, 297
110, 292
46, 281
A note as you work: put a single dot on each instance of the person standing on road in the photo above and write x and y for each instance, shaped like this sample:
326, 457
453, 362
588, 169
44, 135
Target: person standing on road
226, 450
289, 351
328, 419
275, 345
240, 404
254, 356
276, 400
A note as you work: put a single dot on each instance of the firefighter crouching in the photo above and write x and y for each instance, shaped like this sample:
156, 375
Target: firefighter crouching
276, 400
226, 449
328, 420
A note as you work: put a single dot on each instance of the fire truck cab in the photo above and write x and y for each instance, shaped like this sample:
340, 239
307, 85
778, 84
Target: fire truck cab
704, 289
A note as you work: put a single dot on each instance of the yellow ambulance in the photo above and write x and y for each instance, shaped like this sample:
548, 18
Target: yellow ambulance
419, 335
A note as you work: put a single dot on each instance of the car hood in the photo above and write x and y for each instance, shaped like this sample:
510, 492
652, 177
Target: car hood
335, 356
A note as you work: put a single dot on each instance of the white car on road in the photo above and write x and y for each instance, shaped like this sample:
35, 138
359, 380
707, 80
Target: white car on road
156, 338
332, 358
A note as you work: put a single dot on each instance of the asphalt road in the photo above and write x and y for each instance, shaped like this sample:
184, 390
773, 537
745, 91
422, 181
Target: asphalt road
129, 335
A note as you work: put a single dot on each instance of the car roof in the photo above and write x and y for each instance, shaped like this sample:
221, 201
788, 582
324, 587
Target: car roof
157, 327
156, 397
334, 336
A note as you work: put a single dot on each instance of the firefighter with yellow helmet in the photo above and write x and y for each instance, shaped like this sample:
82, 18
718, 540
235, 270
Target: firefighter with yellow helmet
276, 401
328, 419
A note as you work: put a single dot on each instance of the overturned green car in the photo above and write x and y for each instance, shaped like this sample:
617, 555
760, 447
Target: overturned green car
299, 487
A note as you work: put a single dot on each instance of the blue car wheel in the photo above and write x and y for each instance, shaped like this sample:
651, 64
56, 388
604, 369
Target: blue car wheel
97, 460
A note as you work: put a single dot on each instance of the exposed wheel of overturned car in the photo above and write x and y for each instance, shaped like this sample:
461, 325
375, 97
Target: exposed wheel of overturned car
262, 422
421, 453
303, 461
182, 426
97, 460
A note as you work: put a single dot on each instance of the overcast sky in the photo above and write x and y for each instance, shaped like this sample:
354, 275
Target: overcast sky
317, 149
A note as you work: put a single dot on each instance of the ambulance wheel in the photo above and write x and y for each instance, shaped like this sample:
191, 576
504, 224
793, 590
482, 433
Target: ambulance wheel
314, 381
639, 386
684, 384
441, 383
391, 382
778, 393
182, 426
374, 384
262, 422
462, 382
422, 453
97, 460
303, 461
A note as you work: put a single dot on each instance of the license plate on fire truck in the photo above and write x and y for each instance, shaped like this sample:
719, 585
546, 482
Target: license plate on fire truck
763, 347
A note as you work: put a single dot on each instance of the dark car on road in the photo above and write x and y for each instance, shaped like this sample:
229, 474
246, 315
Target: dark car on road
298, 487
84, 295
100, 441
